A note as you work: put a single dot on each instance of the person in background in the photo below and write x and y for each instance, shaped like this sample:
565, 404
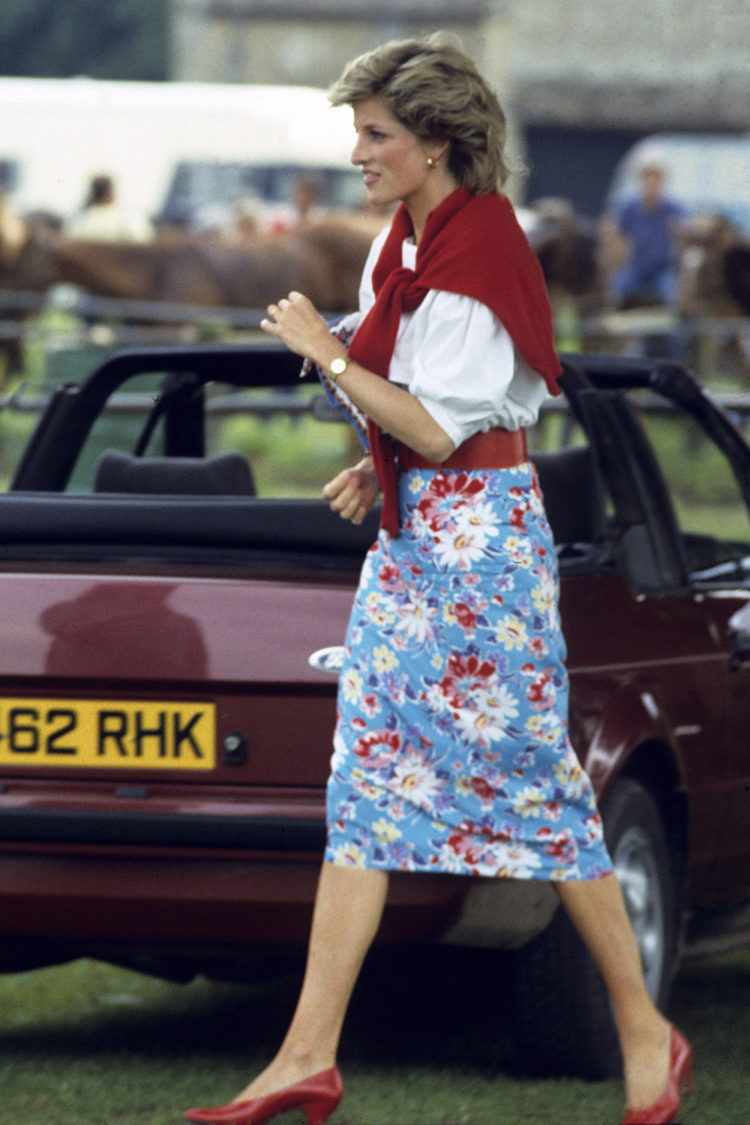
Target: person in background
102, 219
453, 696
649, 224
305, 206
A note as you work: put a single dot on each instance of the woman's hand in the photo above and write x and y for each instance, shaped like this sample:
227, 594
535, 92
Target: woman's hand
296, 322
353, 492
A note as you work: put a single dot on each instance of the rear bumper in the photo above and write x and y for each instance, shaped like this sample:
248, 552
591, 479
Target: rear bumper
81, 878
164, 830
143, 896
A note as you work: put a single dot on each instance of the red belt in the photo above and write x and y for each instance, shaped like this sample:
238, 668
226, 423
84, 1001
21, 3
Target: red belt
495, 449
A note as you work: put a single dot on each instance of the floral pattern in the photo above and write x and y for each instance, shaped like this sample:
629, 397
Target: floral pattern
451, 750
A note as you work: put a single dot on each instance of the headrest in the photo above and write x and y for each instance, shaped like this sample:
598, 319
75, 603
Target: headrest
226, 474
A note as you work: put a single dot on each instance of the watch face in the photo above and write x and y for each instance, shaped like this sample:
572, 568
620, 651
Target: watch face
339, 366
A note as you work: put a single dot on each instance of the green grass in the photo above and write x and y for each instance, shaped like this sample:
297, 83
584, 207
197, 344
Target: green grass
290, 456
87, 1044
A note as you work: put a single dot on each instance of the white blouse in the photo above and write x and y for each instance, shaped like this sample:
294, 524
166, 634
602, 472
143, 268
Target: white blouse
453, 353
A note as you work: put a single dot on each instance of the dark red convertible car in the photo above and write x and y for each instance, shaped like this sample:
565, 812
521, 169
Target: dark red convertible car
165, 739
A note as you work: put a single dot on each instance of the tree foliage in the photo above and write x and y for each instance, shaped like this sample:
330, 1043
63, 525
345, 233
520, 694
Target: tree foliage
125, 39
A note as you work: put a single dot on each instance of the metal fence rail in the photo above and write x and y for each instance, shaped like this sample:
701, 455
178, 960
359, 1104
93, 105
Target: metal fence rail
15, 305
101, 324
737, 405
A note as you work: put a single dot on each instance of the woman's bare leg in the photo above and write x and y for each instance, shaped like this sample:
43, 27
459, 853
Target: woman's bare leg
348, 908
597, 910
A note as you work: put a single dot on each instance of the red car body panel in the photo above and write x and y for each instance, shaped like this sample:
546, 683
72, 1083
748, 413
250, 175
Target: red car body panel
112, 854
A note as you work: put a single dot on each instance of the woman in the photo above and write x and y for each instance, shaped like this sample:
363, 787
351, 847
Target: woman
453, 698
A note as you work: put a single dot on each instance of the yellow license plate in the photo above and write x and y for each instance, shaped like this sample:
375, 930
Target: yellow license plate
107, 734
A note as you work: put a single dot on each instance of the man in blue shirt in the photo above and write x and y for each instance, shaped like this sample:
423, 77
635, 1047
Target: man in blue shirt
650, 223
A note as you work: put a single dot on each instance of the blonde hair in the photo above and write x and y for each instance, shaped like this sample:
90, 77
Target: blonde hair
435, 90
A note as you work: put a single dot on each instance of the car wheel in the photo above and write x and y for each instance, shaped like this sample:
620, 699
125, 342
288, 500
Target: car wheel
563, 1017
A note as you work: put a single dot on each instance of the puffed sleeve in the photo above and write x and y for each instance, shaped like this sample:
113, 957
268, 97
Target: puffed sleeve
455, 355
366, 292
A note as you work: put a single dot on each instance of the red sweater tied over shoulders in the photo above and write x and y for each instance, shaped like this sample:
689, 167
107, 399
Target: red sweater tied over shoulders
472, 245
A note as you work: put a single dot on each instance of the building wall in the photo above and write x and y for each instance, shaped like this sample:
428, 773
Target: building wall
286, 41
674, 63
580, 80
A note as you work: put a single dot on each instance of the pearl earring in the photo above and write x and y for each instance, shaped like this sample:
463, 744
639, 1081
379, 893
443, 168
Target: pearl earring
430, 162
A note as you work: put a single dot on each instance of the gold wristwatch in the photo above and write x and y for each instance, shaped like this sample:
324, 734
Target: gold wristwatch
338, 367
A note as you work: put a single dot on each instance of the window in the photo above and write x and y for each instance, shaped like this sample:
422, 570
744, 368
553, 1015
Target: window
709, 506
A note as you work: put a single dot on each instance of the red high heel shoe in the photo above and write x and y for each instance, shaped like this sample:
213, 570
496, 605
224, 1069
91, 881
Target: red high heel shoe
318, 1096
668, 1106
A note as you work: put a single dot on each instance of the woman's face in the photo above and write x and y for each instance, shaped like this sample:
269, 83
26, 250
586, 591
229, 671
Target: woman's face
393, 160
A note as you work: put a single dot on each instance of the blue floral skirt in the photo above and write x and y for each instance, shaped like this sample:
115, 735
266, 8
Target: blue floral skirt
451, 751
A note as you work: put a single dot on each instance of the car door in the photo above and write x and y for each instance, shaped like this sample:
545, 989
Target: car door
738, 826
704, 474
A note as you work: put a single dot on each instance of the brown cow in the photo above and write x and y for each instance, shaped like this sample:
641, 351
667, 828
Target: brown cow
705, 242
568, 250
323, 260
715, 284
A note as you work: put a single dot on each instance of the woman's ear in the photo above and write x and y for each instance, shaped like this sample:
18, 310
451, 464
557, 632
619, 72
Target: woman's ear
435, 151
